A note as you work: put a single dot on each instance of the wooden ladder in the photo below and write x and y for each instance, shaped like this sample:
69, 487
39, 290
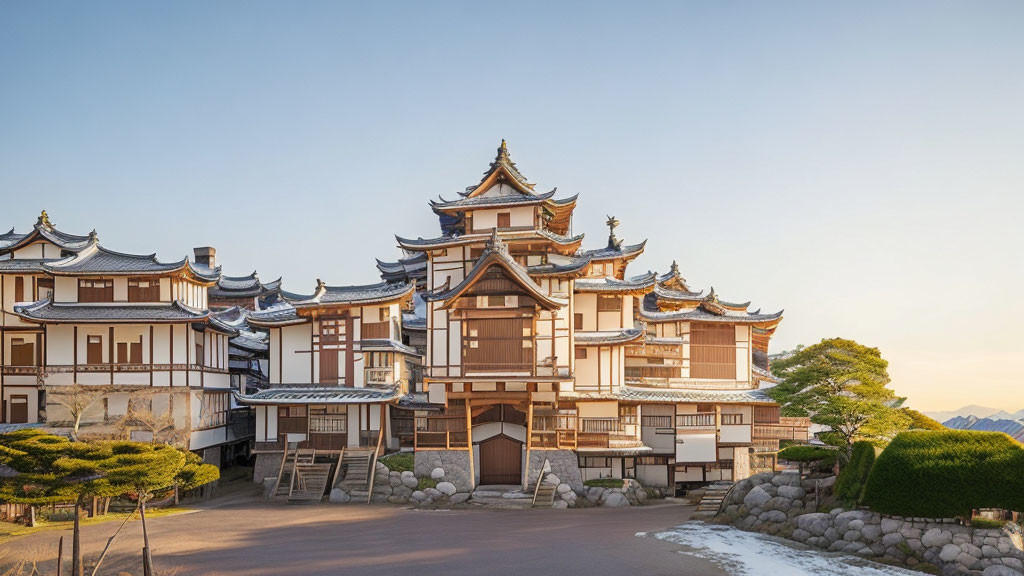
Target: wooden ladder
287, 465
543, 494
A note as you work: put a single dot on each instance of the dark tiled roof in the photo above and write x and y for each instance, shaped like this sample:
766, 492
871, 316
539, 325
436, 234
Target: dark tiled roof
380, 344
359, 294
99, 260
611, 285
251, 341
243, 287
609, 253
502, 160
489, 201
72, 242
280, 313
23, 265
701, 315
607, 337
47, 311
575, 265
677, 295
413, 322
409, 268
636, 394
320, 395
443, 241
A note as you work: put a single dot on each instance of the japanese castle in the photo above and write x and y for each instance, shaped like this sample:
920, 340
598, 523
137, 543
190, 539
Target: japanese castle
500, 346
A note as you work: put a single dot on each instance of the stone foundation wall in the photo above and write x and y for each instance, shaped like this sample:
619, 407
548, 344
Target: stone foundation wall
454, 466
564, 465
784, 505
267, 466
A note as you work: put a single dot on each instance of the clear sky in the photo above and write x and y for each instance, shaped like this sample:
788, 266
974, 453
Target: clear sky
858, 164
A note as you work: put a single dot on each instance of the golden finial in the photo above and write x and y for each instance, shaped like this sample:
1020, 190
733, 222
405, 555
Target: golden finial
44, 220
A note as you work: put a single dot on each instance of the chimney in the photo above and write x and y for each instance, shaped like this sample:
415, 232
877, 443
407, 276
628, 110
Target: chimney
206, 256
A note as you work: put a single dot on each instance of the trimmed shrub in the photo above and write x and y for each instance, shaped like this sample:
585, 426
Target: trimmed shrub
426, 482
942, 474
852, 478
806, 454
399, 462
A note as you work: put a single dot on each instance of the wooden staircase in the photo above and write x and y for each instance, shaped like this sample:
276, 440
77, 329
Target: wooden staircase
309, 482
713, 497
284, 475
356, 465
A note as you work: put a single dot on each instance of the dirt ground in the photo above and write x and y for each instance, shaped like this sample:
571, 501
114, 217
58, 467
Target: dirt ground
243, 534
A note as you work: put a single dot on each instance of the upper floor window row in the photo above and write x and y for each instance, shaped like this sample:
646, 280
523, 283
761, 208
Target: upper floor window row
102, 290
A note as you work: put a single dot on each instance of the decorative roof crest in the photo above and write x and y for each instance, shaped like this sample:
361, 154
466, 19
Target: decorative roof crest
495, 244
44, 221
613, 242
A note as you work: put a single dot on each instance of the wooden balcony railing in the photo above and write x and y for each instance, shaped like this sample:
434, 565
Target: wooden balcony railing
780, 432
514, 367
438, 432
654, 371
706, 420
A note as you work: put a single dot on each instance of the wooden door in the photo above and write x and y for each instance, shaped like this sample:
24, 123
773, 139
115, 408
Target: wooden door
330, 346
19, 409
501, 461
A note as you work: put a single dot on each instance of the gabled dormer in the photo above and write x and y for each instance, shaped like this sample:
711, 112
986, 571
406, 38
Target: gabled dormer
611, 261
43, 242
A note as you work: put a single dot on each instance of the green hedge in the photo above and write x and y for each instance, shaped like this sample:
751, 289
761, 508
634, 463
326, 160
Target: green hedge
942, 474
399, 462
852, 478
825, 457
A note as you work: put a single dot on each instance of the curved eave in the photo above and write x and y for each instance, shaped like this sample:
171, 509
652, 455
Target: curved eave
466, 204
73, 242
318, 395
576, 270
277, 323
618, 337
626, 252
762, 320
426, 245
634, 287
189, 314
677, 295
317, 301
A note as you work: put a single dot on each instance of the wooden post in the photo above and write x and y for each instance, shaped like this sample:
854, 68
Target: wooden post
60, 556
469, 443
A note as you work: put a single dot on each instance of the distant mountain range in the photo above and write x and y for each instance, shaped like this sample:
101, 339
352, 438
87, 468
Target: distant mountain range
982, 418
1014, 428
977, 412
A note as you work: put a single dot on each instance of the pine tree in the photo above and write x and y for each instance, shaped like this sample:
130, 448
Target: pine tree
842, 385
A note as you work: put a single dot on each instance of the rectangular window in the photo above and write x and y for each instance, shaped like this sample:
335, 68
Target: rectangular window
581, 353
384, 314
122, 352
96, 290
23, 352
19, 409
732, 418
200, 358
627, 414
19, 289
94, 350
609, 303
577, 321
143, 290
504, 220
495, 301
45, 287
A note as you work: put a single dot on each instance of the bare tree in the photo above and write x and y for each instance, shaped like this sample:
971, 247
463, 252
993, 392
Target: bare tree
76, 399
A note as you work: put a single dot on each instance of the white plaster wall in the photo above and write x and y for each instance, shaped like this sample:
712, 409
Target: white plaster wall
65, 289
743, 353
695, 448
735, 433
296, 359
120, 289
586, 304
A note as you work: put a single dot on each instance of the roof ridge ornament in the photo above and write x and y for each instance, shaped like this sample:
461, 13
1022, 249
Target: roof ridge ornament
44, 221
613, 242
94, 237
495, 243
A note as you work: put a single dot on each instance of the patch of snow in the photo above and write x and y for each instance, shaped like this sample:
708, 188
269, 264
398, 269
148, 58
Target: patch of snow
748, 554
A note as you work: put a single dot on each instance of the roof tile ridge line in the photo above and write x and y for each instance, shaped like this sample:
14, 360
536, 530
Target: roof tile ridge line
82, 254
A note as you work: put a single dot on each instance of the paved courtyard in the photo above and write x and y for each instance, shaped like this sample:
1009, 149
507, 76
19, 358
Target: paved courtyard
249, 536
